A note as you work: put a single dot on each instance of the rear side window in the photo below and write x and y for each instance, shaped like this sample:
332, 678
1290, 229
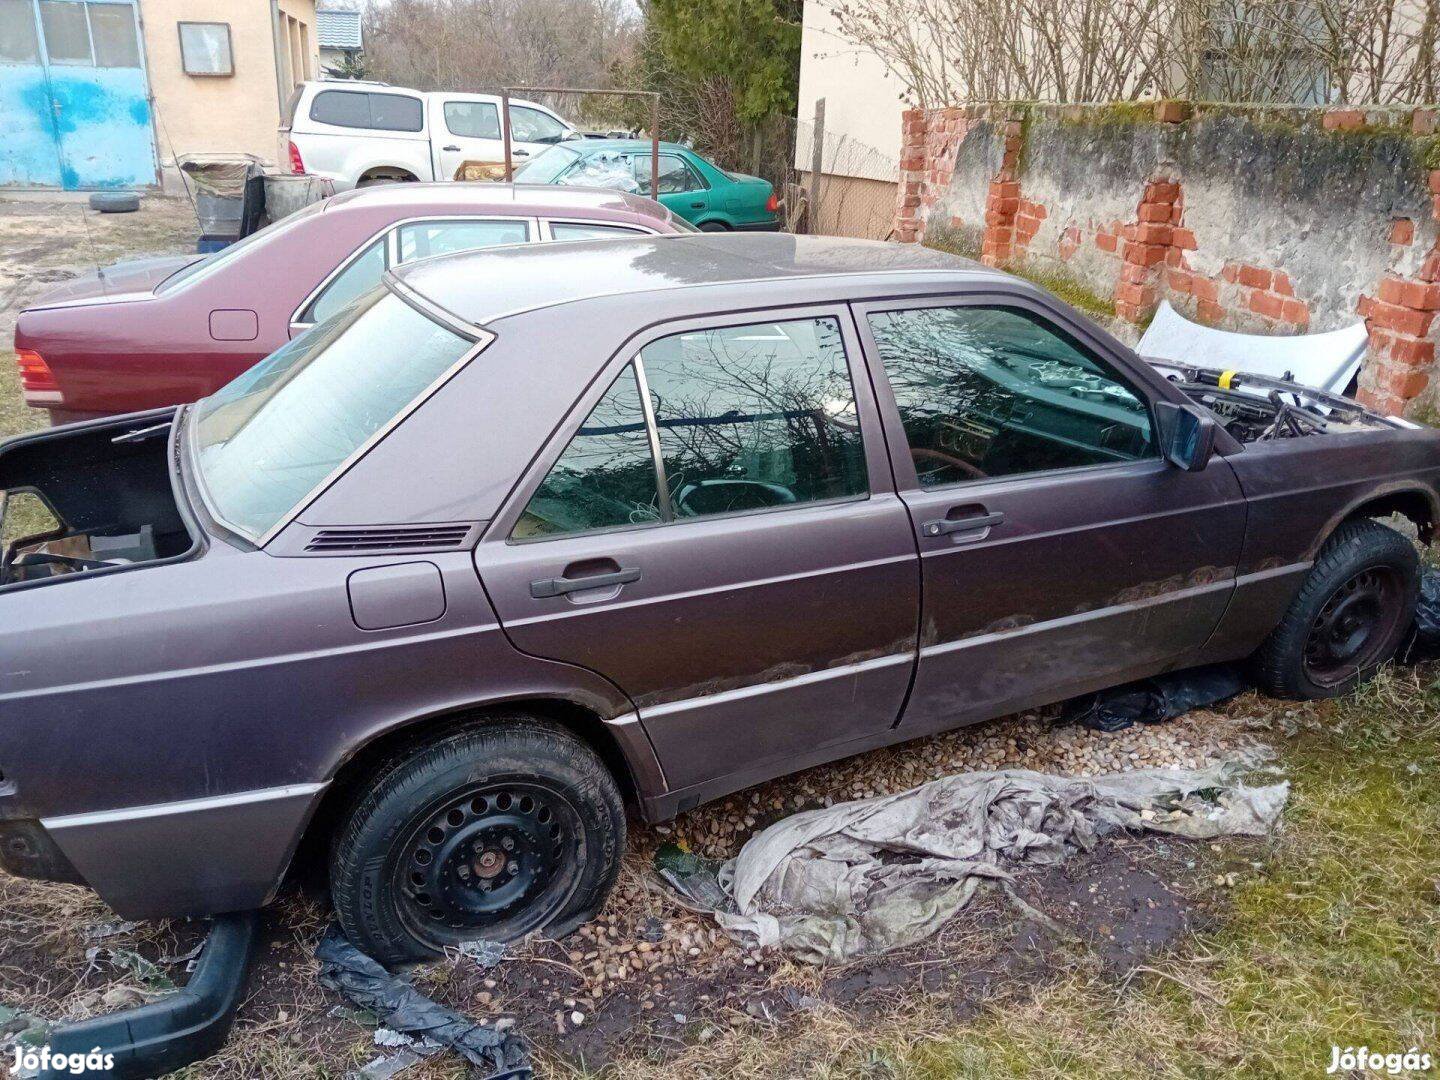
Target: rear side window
356, 109
747, 418
571, 230
472, 119
423, 239
755, 417
985, 392
362, 275
675, 175
606, 476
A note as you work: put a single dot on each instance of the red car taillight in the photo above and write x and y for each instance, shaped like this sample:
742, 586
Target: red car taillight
297, 163
773, 203
35, 374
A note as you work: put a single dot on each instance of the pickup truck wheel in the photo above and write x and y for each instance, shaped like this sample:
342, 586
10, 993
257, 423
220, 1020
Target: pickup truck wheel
490, 833
1349, 617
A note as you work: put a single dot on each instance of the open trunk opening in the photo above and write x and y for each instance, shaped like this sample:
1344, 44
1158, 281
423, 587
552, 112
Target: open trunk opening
107, 499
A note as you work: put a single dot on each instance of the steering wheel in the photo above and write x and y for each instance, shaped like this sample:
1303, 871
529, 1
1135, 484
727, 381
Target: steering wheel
922, 454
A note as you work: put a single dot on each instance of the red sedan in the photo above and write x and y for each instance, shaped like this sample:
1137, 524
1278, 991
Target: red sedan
155, 332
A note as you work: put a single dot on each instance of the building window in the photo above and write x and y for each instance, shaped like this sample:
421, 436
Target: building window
205, 48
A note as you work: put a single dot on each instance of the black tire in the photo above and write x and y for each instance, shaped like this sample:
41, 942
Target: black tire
115, 202
491, 832
1350, 616
714, 226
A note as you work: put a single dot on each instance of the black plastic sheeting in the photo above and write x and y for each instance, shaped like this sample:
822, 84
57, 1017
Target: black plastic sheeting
398, 1005
1424, 641
1151, 700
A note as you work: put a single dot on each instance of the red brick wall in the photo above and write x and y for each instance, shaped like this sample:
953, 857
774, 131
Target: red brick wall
1153, 254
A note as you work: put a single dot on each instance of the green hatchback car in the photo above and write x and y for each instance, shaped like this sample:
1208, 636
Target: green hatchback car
697, 190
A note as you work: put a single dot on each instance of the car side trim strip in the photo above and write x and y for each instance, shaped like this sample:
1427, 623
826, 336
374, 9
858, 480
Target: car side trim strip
656, 712
1227, 585
185, 806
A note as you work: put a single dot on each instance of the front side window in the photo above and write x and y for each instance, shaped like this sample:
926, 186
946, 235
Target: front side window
754, 417
423, 239
606, 476
547, 167
532, 125
472, 119
269, 439
989, 391
362, 275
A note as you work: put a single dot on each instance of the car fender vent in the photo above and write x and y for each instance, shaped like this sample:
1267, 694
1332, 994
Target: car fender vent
388, 538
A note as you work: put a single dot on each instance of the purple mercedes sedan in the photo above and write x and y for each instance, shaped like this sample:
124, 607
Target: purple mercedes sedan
156, 332
522, 536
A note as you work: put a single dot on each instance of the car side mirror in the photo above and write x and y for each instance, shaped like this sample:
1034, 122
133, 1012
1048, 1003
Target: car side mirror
1187, 435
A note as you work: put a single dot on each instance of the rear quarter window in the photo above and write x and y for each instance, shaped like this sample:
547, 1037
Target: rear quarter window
366, 111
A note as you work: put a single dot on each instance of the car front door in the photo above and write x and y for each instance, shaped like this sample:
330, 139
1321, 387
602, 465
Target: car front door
716, 531
1060, 552
467, 131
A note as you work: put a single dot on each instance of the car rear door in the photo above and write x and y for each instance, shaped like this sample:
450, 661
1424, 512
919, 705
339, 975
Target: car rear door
716, 531
1060, 552
465, 128
682, 191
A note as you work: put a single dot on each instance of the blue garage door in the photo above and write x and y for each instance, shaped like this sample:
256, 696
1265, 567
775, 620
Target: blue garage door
74, 103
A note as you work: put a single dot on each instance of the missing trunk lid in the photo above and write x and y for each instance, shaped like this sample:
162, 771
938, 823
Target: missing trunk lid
105, 487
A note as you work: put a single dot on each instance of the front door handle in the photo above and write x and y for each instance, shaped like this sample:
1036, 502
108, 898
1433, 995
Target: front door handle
519, 153
977, 523
559, 586
456, 149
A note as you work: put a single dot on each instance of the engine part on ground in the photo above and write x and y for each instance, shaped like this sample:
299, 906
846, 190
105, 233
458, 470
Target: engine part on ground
363, 982
181, 1028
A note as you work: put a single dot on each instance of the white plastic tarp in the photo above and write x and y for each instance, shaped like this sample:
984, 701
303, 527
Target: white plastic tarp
861, 877
1325, 361
606, 169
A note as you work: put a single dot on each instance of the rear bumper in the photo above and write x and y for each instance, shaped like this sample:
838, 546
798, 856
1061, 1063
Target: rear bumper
758, 226
200, 857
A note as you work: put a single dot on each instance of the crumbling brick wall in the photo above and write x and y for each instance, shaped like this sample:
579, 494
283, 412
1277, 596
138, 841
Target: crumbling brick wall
1265, 220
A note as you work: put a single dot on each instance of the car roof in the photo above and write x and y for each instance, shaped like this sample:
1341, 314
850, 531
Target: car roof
532, 199
519, 279
590, 146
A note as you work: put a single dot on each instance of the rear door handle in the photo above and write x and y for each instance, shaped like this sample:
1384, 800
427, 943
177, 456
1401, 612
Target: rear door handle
697, 206
974, 524
559, 586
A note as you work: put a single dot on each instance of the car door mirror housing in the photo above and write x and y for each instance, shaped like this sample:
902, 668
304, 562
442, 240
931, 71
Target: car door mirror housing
1187, 435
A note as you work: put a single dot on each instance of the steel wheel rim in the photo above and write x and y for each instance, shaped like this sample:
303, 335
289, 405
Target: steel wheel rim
494, 860
1349, 633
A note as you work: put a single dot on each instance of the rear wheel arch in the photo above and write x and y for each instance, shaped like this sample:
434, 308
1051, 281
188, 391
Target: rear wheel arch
368, 761
380, 174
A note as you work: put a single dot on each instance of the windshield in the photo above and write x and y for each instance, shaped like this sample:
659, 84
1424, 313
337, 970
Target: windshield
265, 442
545, 168
227, 255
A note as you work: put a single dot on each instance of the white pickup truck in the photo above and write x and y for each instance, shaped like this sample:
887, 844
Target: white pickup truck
358, 133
